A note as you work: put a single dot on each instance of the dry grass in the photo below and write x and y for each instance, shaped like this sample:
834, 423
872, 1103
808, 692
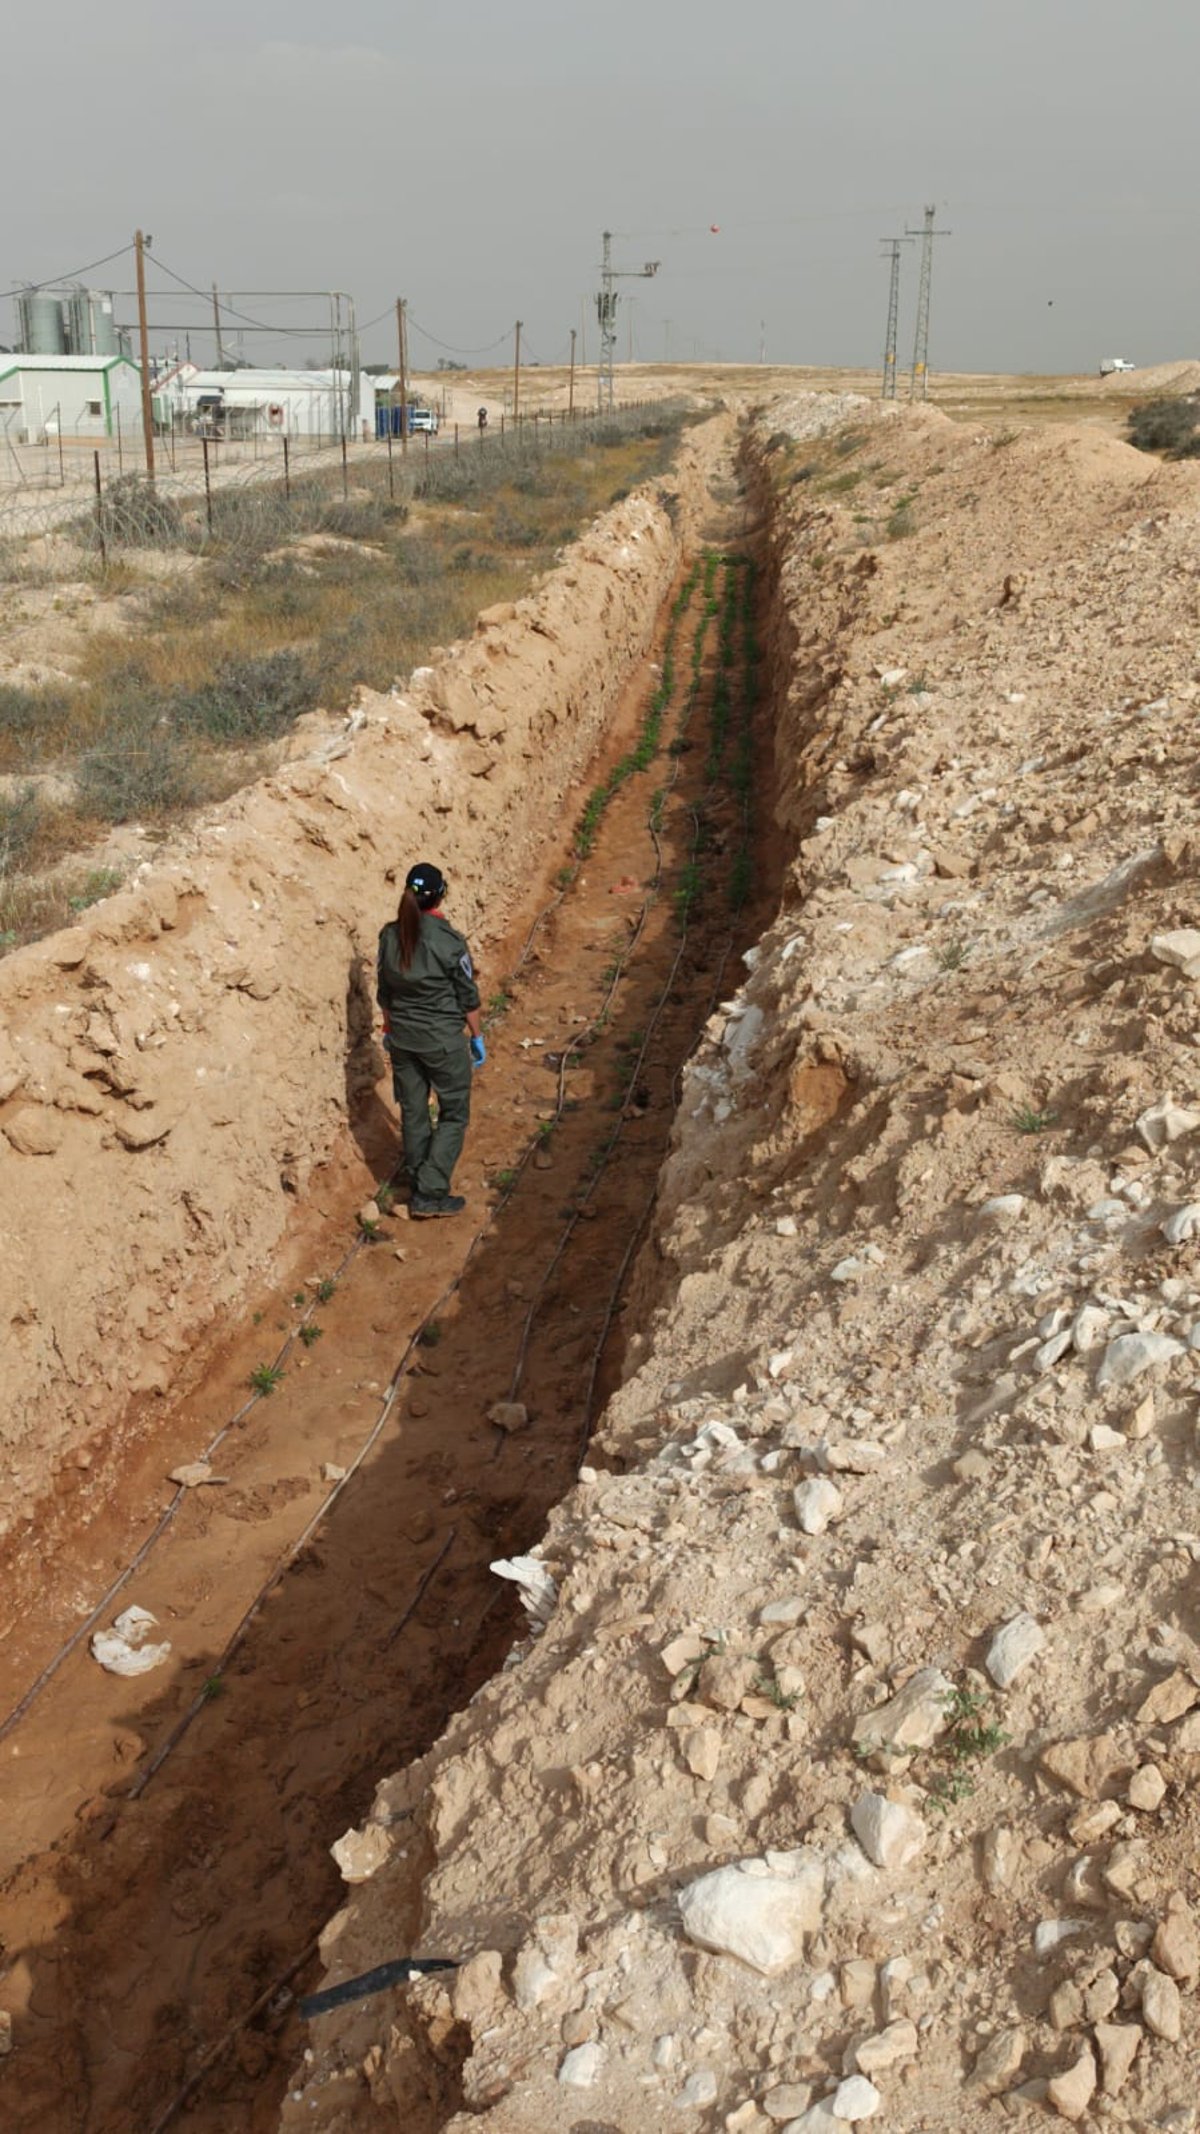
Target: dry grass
177, 711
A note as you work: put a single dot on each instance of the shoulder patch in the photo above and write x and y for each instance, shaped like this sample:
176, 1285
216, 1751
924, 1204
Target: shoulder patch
465, 964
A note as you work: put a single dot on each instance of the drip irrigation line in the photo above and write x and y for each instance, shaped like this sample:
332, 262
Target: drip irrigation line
425, 1581
399, 1972
278, 1985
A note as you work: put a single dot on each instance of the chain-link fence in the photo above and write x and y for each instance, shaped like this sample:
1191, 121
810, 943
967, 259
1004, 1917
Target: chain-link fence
217, 494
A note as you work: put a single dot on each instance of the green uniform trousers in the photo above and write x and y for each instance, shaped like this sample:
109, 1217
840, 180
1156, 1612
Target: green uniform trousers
443, 1066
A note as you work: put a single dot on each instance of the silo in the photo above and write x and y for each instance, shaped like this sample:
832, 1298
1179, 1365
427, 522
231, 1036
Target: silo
43, 328
91, 330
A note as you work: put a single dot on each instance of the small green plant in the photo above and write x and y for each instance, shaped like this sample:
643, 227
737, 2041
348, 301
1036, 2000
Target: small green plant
545, 1129
384, 1196
430, 1334
564, 877
953, 954
265, 1377
368, 1226
970, 1738
310, 1332
1029, 1121
215, 1687
299, 1299
783, 1700
500, 1002
919, 684
325, 1289
505, 1179
900, 523
101, 882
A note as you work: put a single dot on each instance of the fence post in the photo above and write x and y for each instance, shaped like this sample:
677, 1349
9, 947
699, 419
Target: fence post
100, 512
456, 440
62, 473
287, 468
426, 435
345, 471
391, 465
120, 451
207, 484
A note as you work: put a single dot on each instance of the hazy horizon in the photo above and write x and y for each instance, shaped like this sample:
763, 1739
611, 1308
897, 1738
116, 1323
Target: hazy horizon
472, 165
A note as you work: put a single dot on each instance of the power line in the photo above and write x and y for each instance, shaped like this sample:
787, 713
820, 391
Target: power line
76, 273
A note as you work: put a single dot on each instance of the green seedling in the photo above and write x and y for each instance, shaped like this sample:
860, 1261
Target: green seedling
431, 1334
970, 1738
953, 954
215, 1687
546, 1128
299, 1300
1029, 1121
505, 1179
265, 1377
368, 1226
500, 1003
564, 877
310, 1333
325, 1289
384, 1196
783, 1700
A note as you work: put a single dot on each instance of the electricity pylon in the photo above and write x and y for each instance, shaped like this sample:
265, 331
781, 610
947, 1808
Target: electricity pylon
893, 322
606, 313
920, 361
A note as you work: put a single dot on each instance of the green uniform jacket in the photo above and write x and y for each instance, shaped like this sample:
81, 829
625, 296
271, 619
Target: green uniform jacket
430, 1001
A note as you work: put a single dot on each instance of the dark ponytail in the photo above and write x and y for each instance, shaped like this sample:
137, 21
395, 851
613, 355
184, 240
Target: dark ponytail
408, 928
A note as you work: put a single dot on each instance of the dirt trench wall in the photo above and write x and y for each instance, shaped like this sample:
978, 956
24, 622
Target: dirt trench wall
911, 1419
175, 1067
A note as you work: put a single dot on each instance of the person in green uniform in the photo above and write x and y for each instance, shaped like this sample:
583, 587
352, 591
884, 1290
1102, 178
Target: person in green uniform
427, 991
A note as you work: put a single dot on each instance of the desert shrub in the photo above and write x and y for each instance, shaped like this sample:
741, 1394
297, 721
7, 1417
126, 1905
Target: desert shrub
1165, 426
146, 771
27, 716
247, 699
352, 518
134, 513
19, 823
901, 523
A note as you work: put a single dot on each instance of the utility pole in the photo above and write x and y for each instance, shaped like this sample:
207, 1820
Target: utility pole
217, 326
139, 245
517, 375
762, 340
919, 382
402, 341
893, 319
571, 380
606, 313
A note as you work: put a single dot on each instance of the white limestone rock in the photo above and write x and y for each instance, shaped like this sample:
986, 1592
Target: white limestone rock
1126, 1358
1013, 1647
890, 1834
580, 2068
759, 1914
856, 2099
818, 1502
1165, 1122
1180, 950
1182, 1226
911, 1720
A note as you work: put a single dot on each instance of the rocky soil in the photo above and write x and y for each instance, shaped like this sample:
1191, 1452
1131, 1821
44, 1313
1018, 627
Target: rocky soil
848, 1770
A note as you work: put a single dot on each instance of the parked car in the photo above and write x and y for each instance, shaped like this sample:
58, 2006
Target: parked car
423, 419
1109, 364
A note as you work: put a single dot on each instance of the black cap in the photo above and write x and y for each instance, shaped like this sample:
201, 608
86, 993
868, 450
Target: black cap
427, 882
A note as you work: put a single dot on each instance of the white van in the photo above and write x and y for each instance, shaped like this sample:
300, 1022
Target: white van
1109, 364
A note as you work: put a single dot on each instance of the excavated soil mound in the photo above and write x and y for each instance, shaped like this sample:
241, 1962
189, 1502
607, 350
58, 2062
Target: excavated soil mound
849, 1767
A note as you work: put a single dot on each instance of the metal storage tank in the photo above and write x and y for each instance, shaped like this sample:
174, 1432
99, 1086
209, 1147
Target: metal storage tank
91, 328
43, 328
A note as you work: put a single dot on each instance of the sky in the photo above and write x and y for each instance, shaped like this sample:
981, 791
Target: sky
469, 157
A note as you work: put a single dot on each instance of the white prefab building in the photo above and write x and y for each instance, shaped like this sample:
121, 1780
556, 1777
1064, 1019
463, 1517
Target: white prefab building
278, 403
44, 397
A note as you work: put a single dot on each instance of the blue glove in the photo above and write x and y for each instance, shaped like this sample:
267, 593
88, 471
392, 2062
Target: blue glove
478, 1052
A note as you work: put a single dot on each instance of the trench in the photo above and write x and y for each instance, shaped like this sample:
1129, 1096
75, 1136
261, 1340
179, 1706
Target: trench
330, 1601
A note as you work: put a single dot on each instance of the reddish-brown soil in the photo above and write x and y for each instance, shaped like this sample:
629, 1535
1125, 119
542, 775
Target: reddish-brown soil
140, 1925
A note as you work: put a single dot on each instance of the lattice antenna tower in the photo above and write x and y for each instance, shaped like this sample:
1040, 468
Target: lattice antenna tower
894, 245
919, 381
606, 314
